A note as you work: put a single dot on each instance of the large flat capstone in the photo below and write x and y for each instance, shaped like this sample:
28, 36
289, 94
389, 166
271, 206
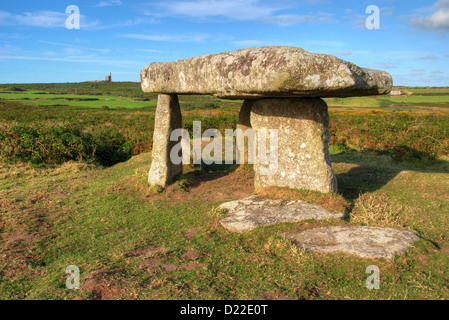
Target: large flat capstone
274, 72
366, 241
254, 211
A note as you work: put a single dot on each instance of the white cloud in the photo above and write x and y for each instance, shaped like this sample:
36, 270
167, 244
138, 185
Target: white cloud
290, 19
416, 73
9, 49
355, 18
13, 36
151, 50
358, 19
240, 10
75, 46
249, 43
437, 21
127, 23
75, 59
109, 3
73, 51
429, 57
42, 18
51, 52
385, 65
260, 43
233, 9
45, 19
420, 77
387, 11
342, 53
316, 1
198, 37
324, 43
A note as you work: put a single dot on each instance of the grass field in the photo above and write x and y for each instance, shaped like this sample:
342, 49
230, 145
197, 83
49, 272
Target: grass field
96, 95
392, 166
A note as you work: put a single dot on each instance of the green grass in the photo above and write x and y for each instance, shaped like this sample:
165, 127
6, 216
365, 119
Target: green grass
426, 90
422, 97
90, 101
355, 102
96, 218
93, 104
95, 95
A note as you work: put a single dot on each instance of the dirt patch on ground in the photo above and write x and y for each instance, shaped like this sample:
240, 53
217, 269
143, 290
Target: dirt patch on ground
152, 265
26, 221
274, 295
427, 109
214, 186
15, 238
191, 255
219, 186
146, 251
102, 285
192, 232
22, 227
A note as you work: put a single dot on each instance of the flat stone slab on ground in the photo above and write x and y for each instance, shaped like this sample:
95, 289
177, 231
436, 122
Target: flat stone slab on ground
366, 241
254, 211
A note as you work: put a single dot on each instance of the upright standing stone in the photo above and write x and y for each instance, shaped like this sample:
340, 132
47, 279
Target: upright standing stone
243, 138
168, 118
303, 143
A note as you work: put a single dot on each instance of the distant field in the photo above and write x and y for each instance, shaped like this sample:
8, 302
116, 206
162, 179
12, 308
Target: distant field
129, 95
413, 99
91, 101
114, 96
426, 90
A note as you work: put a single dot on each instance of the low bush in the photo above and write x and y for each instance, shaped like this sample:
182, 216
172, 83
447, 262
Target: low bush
401, 135
45, 145
54, 134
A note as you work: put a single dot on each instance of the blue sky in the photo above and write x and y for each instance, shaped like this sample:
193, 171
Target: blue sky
122, 36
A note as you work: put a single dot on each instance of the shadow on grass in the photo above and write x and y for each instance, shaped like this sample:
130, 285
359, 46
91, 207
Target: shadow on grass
207, 172
373, 171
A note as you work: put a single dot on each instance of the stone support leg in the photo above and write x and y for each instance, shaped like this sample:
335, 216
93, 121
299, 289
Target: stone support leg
168, 118
303, 143
243, 141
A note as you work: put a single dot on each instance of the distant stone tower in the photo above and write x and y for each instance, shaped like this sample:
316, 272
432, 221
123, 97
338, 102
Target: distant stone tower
108, 78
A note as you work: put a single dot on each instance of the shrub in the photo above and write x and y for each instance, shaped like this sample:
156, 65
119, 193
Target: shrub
210, 105
17, 89
111, 146
403, 136
45, 145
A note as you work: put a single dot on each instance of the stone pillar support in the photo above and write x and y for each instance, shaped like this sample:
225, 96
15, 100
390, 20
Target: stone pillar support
303, 143
244, 141
168, 118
